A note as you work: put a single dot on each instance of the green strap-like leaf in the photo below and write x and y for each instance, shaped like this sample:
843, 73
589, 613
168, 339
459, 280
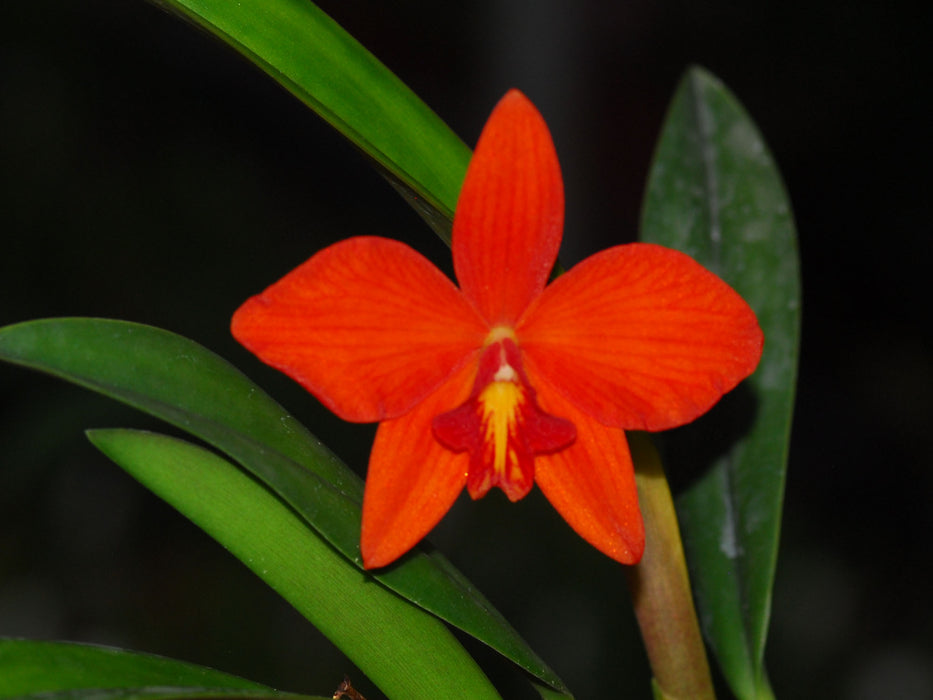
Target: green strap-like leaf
162, 693
316, 60
181, 382
406, 652
715, 193
36, 669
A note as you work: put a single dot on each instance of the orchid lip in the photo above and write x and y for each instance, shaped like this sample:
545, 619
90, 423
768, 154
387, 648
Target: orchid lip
501, 425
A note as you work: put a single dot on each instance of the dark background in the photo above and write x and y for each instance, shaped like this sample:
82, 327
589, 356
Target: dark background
147, 173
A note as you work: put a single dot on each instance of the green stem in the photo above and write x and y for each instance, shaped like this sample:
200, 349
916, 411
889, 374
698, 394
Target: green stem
660, 588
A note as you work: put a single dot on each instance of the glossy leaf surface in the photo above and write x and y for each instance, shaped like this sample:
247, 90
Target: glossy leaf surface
186, 385
398, 646
38, 669
715, 193
310, 55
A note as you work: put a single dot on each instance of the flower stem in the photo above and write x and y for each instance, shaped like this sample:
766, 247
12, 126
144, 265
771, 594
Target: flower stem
660, 588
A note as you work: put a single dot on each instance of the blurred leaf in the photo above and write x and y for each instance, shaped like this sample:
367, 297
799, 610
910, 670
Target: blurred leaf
179, 381
49, 670
406, 652
715, 193
316, 60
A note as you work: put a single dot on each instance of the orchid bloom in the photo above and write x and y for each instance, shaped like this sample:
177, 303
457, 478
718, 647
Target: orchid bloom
505, 380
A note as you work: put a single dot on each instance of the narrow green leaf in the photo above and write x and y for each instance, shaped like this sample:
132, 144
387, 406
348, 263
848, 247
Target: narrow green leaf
715, 193
406, 652
316, 60
186, 385
162, 693
549, 693
58, 669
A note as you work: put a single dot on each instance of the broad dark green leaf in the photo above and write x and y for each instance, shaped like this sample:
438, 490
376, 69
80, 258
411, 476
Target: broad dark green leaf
37, 669
715, 193
406, 652
186, 385
316, 60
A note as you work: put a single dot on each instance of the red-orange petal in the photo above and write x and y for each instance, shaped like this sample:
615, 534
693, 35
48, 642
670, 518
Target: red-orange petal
412, 481
592, 482
510, 214
640, 337
368, 325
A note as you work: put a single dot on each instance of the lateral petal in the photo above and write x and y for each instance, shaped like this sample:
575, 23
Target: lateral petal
510, 215
592, 482
412, 480
641, 337
368, 325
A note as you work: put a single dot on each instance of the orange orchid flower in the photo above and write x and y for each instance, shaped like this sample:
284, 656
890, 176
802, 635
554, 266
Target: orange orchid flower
506, 380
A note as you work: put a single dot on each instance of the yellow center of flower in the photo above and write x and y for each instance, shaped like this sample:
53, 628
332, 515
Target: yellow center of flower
501, 424
498, 333
500, 402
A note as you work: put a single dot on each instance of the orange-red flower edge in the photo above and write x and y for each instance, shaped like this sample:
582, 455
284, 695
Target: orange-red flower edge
505, 381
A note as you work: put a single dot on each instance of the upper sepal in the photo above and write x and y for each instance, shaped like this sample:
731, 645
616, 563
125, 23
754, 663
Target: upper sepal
510, 214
